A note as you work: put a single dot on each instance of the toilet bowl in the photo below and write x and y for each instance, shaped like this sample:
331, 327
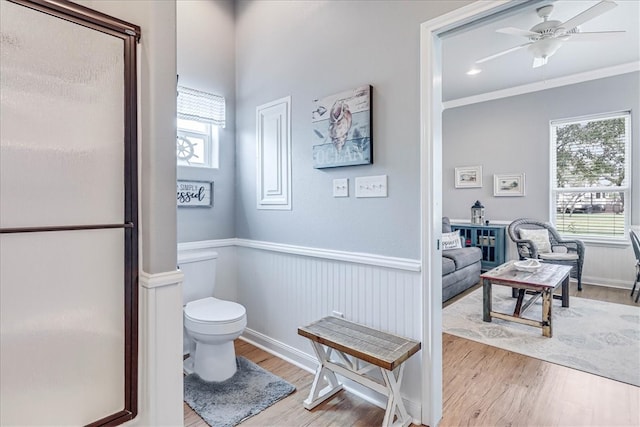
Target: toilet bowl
210, 324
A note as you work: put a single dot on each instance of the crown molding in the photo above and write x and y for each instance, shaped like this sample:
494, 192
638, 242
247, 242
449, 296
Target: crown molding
546, 84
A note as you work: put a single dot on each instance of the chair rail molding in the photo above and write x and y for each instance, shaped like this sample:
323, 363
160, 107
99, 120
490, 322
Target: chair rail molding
407, 264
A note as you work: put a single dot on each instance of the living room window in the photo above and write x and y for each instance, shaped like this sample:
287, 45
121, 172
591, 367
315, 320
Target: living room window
590, 170
200, 115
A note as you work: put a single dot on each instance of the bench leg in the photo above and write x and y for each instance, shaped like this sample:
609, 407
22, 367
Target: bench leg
317, 395
395, 405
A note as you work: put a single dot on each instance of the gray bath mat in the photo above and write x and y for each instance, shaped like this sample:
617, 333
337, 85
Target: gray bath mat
226, 404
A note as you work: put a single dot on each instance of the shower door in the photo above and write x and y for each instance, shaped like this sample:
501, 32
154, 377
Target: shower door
68, 215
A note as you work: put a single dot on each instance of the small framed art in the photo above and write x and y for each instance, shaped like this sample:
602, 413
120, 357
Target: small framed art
511, 184
469, 177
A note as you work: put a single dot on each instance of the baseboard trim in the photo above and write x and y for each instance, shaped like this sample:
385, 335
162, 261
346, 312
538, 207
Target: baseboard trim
610, 283
309, 363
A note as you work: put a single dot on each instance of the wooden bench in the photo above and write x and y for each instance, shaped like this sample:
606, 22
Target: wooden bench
370, 350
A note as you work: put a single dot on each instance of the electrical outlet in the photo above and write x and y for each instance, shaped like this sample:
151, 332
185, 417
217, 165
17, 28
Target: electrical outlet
371, 186
341, 187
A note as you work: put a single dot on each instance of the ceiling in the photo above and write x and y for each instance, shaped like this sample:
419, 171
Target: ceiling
460, 49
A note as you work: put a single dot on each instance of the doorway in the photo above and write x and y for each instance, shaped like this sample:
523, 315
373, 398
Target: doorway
431, 192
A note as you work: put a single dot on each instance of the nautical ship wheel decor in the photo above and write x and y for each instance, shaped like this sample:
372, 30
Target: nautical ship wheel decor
185, 149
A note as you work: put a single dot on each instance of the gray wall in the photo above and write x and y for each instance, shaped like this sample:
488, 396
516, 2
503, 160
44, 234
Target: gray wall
157, 125
313, 49
512, 135
206, 61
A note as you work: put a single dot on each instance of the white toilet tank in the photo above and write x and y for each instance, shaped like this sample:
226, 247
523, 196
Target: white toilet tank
199, 269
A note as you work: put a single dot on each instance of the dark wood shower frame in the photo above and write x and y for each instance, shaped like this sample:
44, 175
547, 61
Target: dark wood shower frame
130, 35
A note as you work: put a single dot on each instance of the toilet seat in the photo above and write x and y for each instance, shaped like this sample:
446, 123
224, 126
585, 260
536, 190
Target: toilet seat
212, 316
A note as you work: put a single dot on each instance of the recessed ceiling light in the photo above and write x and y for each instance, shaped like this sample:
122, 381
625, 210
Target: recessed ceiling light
474, 71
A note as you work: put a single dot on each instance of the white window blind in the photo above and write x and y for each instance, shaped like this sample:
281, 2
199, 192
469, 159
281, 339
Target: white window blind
590, 175
201, 106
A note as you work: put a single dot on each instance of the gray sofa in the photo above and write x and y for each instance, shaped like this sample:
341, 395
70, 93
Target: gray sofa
460, 267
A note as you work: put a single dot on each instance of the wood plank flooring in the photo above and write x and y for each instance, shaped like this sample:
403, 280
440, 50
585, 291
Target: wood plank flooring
343, 410
483, 386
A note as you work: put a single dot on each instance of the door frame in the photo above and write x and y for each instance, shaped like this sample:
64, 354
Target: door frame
130, 35
431, 194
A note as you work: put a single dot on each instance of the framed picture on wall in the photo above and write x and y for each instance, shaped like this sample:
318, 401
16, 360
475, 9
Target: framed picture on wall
341, 126
194, 194
469, 177
508, 184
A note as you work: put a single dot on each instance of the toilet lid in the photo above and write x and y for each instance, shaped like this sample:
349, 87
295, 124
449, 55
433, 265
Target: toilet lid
214, 310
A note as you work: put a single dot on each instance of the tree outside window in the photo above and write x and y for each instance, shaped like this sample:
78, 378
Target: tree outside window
590, 175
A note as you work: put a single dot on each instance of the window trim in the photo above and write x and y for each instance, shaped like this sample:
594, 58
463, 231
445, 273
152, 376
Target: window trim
626, 188
211, 145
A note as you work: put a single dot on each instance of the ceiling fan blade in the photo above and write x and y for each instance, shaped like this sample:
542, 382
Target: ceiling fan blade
517, 32
594, 36
581, 18
504, 52
539, 62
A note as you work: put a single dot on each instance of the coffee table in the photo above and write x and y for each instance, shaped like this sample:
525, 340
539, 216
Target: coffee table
540, 283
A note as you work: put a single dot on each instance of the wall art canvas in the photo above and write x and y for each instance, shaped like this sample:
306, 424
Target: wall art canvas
342, 129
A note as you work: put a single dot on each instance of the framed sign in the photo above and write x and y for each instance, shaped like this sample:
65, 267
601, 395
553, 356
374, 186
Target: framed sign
197, 194
342, 129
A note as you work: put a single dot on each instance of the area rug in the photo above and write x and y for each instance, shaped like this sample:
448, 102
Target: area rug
592, 336
226, 404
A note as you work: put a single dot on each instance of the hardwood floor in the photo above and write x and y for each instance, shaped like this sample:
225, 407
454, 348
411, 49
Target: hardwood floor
488, 386
483, 386
343, 410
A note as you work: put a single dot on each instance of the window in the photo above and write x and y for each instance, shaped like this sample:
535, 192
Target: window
590, 175
200, 115
197, 144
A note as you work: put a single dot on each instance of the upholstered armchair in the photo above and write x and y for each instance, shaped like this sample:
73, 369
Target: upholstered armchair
541, 241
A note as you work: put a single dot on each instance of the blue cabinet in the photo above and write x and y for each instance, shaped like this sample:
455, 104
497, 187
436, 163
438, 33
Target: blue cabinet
489, 238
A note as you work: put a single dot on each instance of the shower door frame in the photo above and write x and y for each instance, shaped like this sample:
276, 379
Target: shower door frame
130, 35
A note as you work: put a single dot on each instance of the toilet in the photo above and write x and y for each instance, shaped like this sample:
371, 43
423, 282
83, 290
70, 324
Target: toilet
210, 324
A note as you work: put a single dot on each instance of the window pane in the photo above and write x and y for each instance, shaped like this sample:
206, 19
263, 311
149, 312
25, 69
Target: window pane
591, 153
193, 125
591, 214
190, 150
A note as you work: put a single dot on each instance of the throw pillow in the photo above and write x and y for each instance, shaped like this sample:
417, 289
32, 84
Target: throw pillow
539, 237
451, 240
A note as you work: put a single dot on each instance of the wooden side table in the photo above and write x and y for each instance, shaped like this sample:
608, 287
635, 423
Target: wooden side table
369, 349
542, 282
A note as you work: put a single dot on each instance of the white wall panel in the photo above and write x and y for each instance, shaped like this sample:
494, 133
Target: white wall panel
61, 329
604, 265
284, 287
284, 291
273, 136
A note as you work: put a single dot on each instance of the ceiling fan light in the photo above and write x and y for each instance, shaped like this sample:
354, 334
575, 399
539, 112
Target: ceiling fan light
545, 48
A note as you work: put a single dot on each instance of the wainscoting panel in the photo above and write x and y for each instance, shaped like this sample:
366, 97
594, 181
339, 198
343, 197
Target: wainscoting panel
284, 287
283, 291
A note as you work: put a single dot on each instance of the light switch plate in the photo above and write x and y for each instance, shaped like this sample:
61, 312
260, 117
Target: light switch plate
371, 186
341, 187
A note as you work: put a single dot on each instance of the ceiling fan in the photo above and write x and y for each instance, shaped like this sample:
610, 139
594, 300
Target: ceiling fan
548, 36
